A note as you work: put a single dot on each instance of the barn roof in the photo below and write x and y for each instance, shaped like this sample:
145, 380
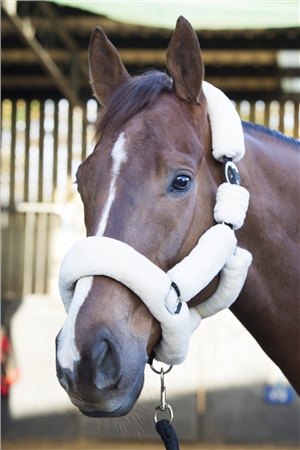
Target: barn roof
204, 14
44, 44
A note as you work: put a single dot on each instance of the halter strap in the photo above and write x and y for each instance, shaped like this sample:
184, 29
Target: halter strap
226, 126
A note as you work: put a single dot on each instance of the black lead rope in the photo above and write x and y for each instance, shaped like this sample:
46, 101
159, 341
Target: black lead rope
167, 434
163, 426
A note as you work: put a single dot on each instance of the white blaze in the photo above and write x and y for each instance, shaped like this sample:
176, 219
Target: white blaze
67, 352
119, 156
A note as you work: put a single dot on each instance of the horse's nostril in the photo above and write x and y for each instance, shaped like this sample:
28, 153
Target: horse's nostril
64, 376
102, 350
107, 365
64, 382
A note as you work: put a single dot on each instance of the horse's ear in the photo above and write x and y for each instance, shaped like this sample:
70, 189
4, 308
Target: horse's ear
107, 71
184, 61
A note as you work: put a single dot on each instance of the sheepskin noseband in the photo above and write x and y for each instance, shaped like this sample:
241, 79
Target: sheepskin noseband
167, 294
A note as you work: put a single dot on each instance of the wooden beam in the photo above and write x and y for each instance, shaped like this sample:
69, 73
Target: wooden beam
246, 84
27, 35
140, 56
27, 83
234, 83
65, 37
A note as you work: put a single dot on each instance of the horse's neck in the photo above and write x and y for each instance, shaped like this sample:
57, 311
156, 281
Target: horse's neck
270, 171
268, 305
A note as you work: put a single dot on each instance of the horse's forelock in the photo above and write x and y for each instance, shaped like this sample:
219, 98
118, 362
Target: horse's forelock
131, 97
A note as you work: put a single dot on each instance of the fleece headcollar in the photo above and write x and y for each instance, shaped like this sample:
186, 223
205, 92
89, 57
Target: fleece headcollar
166, 294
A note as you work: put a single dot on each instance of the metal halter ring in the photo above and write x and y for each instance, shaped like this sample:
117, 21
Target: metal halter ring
167, 408
161, 370
179, 301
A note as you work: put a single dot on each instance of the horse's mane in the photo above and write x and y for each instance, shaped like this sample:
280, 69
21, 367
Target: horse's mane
131, 97
269, 132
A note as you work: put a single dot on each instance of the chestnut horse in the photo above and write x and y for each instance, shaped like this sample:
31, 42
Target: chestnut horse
151, 183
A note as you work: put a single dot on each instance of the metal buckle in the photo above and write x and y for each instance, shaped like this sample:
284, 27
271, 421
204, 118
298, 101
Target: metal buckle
179, 301
232, 174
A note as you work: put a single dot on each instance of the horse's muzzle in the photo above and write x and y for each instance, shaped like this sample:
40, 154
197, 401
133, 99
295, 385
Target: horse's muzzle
100, 384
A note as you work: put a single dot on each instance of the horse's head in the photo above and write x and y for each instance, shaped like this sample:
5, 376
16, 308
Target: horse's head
147, 184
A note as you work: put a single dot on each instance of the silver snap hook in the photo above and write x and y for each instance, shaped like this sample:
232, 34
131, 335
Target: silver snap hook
163, 406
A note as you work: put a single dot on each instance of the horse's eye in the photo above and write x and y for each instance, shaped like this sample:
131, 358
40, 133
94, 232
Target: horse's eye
181, 183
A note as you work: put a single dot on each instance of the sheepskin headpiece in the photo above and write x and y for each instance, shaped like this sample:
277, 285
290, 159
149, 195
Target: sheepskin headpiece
167, 294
